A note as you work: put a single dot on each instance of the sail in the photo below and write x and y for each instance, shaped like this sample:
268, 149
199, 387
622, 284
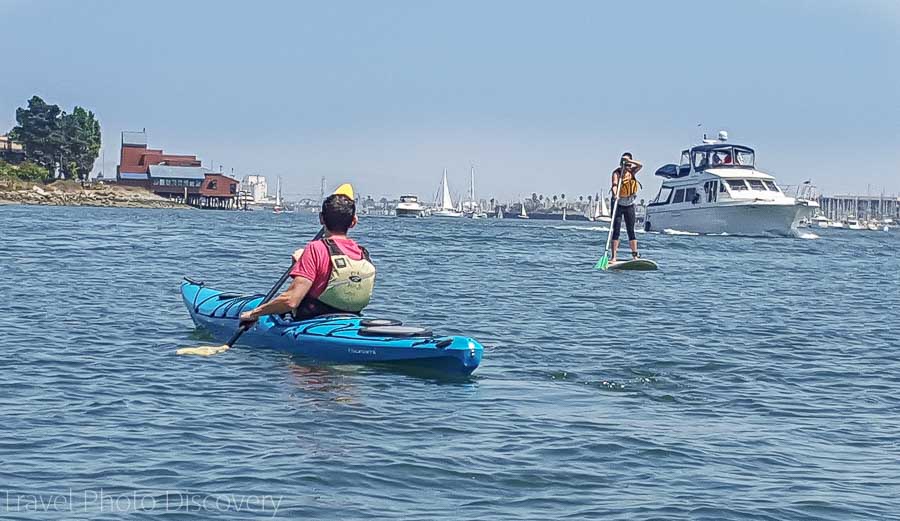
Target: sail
523, 214
278, 193
604, 210
446, 203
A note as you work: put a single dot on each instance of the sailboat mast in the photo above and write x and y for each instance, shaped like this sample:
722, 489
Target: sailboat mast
472, 186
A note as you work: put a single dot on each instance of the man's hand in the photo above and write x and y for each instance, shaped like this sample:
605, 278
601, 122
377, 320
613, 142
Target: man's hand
248, 318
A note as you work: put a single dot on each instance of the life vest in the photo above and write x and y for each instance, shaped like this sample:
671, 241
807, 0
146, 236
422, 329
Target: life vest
352, 281
630, 186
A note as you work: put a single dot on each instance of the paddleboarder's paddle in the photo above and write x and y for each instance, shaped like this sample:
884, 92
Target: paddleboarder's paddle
344, 189
603, 263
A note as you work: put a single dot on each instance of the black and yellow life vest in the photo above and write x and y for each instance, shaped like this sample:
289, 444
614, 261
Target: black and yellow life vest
352, 281
630, 185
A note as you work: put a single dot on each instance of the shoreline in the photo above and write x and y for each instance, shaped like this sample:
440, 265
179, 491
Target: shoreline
72, 194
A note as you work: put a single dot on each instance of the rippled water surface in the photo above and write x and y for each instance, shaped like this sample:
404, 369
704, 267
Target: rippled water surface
748, 379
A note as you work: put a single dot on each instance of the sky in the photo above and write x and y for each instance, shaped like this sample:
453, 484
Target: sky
539, 96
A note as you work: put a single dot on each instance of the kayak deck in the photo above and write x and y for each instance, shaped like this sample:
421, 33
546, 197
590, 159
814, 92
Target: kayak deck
331, 338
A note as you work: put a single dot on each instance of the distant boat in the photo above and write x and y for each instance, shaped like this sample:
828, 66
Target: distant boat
472, 209
278, 208
409, 206
523, 214
445, 203
604, 215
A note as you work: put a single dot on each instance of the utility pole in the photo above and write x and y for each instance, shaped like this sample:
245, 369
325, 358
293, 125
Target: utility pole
322, 190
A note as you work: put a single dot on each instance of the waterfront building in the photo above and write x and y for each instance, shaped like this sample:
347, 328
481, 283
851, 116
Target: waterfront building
176, 176
257, 187
10, 151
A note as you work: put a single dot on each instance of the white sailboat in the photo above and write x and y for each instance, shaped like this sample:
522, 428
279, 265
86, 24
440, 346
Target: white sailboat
278, 208
601, 211
472, 208
523, 214
445, 203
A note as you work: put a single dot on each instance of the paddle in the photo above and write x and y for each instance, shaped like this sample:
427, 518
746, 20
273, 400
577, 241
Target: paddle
603, 263
344, 189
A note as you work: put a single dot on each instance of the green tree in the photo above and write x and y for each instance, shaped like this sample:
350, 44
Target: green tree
82, 143
51, 137
39, 130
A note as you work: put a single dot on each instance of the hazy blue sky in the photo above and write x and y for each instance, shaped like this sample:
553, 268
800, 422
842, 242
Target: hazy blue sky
541, 96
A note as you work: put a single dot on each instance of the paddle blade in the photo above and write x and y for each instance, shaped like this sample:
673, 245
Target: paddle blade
203, 350
345, 189
603, 263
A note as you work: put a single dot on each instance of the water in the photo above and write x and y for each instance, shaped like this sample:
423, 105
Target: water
749, 379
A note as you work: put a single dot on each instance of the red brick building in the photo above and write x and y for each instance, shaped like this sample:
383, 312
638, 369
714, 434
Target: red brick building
219, 191
176, 176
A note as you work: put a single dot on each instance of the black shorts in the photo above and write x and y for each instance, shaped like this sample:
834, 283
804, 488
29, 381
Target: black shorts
630, 217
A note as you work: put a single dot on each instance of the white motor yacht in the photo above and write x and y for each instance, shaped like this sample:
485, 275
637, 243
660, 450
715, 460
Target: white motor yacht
409, 206
716, 189
820, 221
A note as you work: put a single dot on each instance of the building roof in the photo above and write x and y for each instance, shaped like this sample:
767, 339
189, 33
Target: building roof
226, 176
134, 176
134, 138
177, 172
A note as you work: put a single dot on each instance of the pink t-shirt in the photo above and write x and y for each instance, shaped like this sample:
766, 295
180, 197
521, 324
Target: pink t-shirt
315, 263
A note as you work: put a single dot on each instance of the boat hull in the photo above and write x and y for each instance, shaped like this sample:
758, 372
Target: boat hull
333, 338
758, 219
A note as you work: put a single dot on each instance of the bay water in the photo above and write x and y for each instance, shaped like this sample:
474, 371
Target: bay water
747, 379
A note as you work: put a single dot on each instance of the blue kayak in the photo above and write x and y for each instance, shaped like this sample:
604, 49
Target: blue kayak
332, 338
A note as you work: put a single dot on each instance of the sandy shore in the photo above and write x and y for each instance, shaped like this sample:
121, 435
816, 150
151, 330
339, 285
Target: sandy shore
72, 194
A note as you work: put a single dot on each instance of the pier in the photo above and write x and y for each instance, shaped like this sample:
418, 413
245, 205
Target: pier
838, 207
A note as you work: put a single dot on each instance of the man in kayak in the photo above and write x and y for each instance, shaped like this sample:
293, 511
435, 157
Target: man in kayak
626, 196
331, 275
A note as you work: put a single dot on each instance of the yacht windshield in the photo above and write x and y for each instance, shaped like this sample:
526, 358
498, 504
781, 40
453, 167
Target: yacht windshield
744, 157
756, 184
724, 156
737, 184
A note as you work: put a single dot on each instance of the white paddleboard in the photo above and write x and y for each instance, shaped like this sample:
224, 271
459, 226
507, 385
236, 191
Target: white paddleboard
634, 265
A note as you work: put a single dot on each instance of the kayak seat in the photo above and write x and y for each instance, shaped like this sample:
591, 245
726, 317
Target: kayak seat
395, 331
378, 322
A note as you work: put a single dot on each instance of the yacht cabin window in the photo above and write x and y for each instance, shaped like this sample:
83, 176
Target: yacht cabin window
756, 184
722, 157
690, 195
679, 196
700, 160
744, 157
771, 186
710, 189
722, 188
685, 158
665, 193
737, 184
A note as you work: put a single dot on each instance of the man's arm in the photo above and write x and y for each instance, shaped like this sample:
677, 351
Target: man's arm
284, 303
